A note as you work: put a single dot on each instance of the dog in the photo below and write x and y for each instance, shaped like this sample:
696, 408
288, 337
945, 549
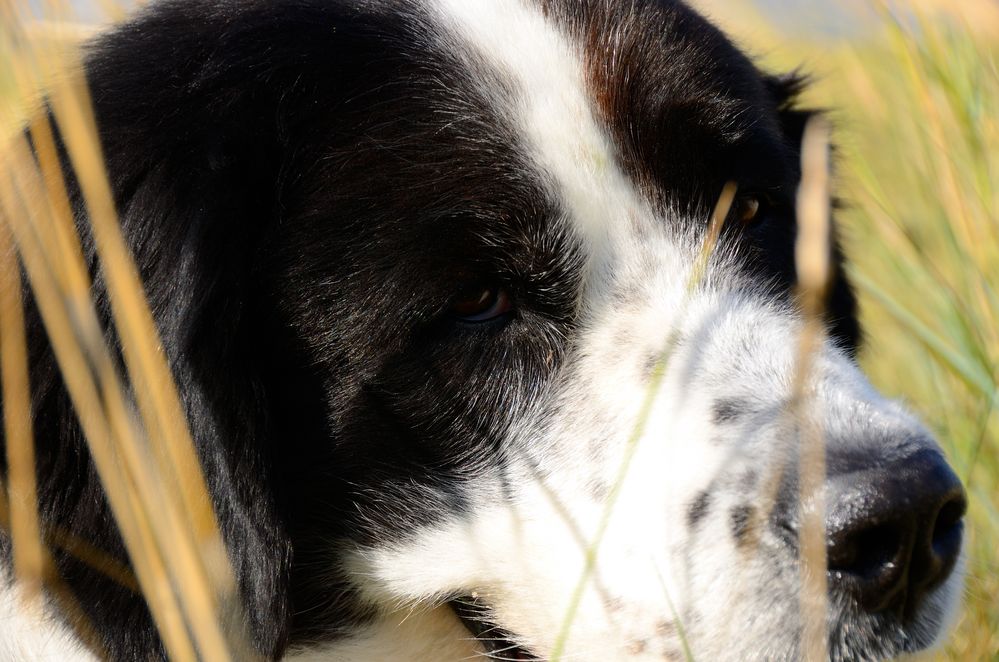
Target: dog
426, 275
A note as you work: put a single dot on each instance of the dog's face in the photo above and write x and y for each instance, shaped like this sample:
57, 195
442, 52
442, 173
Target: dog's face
513, 392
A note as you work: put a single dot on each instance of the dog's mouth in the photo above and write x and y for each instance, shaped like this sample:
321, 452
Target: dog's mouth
498, 644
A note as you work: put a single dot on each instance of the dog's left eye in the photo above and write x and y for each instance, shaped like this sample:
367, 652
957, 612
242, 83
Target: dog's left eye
748, 209
481, 304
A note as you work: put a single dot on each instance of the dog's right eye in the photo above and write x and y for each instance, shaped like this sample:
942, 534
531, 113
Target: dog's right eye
751, 208
481, 304
747, 209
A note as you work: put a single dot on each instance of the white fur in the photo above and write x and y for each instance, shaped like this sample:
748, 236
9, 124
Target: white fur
553, 108
28, 633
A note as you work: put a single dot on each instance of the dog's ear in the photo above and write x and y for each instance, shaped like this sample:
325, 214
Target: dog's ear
192, 101
841, 306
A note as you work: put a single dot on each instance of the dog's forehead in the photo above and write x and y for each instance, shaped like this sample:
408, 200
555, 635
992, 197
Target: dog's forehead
677, 101
604, 110
580, 103
628, 110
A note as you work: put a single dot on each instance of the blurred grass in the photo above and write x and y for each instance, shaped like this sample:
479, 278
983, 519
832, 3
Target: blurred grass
915, 97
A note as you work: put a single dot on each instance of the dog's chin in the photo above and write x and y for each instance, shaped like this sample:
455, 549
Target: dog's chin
852, 635
893, 635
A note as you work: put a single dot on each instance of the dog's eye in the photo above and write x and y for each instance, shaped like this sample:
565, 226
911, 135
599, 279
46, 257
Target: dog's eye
481, 304
748, 208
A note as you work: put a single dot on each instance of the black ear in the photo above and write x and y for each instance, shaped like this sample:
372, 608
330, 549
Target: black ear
841, 306
191, 101
208, 113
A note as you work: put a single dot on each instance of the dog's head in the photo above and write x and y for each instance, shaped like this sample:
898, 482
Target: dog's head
428, 272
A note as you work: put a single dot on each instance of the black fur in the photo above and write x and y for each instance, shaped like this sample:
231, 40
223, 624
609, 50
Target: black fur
306, 185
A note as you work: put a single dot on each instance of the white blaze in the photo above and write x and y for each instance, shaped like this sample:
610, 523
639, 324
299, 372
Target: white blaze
553, 109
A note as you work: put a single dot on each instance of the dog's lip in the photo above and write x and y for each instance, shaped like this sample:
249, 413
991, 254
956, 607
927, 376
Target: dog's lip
497, 643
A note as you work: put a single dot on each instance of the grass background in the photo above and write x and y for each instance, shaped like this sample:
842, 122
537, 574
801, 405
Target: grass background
914, 94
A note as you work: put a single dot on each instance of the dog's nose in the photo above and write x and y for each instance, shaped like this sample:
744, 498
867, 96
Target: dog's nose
894, 531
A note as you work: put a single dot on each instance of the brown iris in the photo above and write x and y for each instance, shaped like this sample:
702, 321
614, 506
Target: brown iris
481, 304
747, 209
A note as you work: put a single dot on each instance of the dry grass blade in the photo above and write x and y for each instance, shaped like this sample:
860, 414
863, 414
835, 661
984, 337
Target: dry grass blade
91, 379
812, 259
21, 477
148, 369
163, 500
193, 539
718, 216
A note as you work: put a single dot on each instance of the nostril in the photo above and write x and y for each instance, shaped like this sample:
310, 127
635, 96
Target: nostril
868, 554
869, 561
947, 530
894, 532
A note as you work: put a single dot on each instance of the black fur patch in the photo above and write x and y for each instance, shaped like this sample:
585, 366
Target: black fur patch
728, 410
740, 520
698, 509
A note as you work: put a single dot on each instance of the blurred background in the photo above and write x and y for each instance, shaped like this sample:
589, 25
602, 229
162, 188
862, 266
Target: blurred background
913, 90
